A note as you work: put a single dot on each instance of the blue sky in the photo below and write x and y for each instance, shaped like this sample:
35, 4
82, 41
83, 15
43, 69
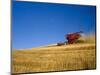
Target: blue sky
37, 24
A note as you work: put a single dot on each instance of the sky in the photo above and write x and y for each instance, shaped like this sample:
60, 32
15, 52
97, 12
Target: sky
37, 24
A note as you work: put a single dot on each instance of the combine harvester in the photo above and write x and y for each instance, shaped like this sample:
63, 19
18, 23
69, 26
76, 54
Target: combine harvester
71, 38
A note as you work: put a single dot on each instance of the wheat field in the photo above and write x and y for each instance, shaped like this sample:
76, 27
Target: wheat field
78, 56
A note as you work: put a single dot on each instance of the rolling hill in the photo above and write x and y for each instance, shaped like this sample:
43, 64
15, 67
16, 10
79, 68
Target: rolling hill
78, 56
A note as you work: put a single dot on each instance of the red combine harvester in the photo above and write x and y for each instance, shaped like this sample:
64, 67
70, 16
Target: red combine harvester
73, 37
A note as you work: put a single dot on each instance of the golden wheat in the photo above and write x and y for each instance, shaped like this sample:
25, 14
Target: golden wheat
55, 58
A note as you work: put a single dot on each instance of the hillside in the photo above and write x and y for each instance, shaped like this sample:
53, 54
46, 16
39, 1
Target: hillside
79, 56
